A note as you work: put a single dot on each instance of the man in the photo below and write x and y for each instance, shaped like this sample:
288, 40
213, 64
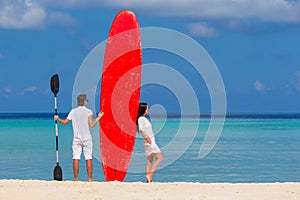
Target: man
82, 121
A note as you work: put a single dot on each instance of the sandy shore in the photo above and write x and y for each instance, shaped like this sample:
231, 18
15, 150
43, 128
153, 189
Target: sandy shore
34, 189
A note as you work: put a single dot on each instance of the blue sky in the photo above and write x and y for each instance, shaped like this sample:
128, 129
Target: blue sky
255, 45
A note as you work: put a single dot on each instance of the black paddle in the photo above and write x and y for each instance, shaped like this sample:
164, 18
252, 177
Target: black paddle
54, 83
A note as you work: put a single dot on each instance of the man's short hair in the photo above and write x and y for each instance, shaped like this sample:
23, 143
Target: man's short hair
81, 99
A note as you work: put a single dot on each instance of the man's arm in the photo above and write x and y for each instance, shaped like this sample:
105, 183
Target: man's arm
93, 123
62, 121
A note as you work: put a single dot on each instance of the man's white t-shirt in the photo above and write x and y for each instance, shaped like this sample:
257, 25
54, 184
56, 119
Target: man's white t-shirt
79, 117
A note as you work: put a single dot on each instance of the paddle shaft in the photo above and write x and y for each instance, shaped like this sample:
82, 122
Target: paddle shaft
56, 128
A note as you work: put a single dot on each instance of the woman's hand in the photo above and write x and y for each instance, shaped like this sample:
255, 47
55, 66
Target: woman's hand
147, 139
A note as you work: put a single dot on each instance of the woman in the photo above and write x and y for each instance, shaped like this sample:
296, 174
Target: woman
152, 151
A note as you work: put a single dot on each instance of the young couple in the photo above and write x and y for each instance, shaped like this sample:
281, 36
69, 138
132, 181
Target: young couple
82, 121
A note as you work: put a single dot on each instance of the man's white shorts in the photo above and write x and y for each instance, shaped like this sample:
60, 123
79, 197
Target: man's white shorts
87, 147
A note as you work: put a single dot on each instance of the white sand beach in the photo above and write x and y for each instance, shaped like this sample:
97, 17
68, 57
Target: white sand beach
36, 189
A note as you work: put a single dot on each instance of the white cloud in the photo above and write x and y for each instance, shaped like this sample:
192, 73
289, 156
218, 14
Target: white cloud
21, 14
260, 87
30, 14
8, 90
55, 17
36, 14
46, 92
30, 89
266, 10
201, 29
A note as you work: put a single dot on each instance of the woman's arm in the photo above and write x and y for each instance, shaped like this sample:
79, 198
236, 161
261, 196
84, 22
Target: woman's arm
145, 137
62, 121
93, 123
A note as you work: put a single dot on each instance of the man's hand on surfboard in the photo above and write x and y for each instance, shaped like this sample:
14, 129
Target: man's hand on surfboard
100, 115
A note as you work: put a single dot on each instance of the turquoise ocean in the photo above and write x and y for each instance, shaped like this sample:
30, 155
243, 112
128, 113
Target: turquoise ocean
251, 148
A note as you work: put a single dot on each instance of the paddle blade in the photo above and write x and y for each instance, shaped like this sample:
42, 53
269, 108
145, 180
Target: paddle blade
57, 173
54, 84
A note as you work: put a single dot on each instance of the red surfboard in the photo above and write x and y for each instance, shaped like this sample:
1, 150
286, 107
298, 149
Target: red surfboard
120, 95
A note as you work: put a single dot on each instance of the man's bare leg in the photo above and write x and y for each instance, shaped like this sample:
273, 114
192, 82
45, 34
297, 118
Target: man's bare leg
89, 168
75, 169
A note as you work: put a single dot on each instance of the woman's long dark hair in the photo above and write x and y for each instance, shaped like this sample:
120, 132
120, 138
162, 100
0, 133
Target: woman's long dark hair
142, 110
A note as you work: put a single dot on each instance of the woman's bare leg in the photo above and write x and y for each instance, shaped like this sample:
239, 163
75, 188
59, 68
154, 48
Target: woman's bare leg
148, 168
159, 158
